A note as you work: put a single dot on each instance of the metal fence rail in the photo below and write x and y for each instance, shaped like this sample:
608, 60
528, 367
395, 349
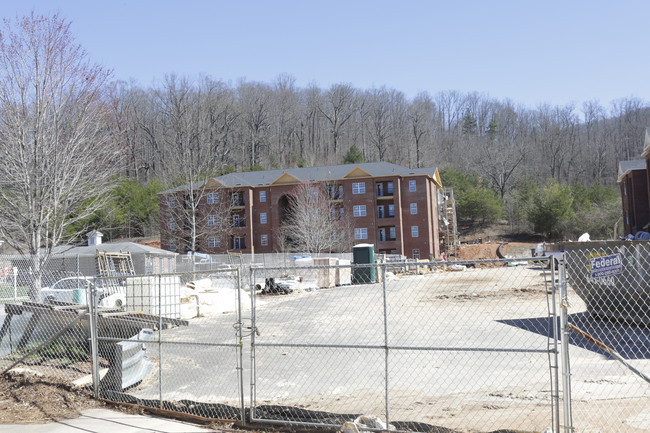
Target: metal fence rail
473, 349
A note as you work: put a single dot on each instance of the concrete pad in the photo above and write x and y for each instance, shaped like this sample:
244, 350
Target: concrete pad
108, 421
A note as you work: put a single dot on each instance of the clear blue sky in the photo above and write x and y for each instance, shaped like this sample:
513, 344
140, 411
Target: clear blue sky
528, 51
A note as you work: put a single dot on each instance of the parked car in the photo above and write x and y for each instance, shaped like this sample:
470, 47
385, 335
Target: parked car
76, 289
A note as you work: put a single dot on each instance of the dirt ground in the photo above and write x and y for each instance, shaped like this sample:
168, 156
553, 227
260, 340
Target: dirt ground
26, 398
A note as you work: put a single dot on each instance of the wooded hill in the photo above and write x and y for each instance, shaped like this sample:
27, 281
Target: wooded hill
180, 131
277, 125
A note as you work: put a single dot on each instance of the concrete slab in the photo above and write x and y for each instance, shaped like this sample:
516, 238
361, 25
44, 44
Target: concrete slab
108, 421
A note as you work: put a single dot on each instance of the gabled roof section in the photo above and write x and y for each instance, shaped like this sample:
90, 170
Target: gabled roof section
625, 167
357, 172
285, 179
436, 178
213, 183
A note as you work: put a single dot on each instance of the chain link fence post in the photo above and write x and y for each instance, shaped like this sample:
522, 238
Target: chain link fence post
565, 332
92, 313
386, 366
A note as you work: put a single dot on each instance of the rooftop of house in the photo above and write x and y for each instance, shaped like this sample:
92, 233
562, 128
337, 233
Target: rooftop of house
314, 174
624, 167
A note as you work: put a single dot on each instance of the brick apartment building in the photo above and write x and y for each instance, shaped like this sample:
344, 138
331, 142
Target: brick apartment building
393, 207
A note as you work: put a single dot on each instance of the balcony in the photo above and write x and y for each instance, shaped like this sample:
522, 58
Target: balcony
237, 202
238, 222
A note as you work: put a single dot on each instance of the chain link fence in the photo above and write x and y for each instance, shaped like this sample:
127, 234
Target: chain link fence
608, 304
442, 347
464, 348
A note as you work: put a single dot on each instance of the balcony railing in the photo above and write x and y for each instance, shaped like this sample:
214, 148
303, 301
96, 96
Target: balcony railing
239, 223
237, 202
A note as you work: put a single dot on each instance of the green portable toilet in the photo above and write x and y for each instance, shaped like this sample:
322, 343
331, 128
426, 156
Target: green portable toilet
362, 254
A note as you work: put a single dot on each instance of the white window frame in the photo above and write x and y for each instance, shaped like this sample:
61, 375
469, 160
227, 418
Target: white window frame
412, 185
214, 242
359, 188
264, 240
263, 218
171, 202
416, 254
172, 224
389, 214
212, 198
361, 233
414, 208
172, 245
415, 231
389, 188
392, 233
213, 220
262, 196
360, 210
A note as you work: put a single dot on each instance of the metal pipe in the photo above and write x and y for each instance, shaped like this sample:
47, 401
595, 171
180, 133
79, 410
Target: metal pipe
253, 395
240, 348
566, 365
386, 347
94, 334
555, 397
160, 361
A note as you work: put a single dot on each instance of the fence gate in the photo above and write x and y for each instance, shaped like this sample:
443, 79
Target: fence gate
469, 346
151, 355
608, 307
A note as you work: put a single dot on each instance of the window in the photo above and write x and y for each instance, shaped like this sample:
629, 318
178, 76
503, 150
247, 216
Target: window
380, 190
214, 242
171, 201
262, 196
414, 208
391, 233
411, 185
416, 254
172, 224
415, 231
213, 198
380, 211
314, 192
263, 218
172, 245
391, 210
360, 210
341, 213
389, 188
361, 233
265, 240
359, 188
213, 220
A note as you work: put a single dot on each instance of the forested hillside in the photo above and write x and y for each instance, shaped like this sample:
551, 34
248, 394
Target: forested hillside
181, 130
276, 125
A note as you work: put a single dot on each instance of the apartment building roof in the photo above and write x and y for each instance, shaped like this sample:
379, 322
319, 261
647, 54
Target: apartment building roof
314, 174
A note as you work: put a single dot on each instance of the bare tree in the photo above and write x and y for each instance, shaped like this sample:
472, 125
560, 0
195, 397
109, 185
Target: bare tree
56, 149
420, 114
314, 223
337, 109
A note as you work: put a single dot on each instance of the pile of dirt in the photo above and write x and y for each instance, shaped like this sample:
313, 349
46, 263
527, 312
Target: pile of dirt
27, 398
488, 251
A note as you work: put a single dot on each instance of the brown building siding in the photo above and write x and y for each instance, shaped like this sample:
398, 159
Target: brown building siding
377, 199
635, 200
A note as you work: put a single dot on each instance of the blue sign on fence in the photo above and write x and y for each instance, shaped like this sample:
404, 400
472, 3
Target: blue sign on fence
606, 265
